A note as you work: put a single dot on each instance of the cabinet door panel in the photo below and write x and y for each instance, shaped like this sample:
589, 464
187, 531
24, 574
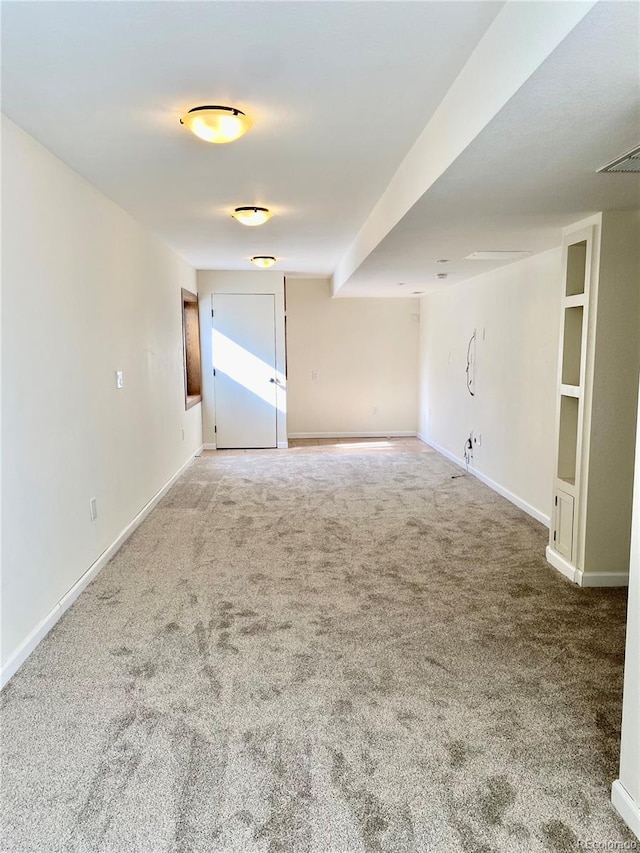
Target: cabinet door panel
563, 524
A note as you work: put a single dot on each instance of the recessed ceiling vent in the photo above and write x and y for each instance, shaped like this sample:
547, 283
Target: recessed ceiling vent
629, 162
496, 256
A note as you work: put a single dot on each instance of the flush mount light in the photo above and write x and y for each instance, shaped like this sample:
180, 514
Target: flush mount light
442, 275
442, 261
251, 215
217, 124
263, 261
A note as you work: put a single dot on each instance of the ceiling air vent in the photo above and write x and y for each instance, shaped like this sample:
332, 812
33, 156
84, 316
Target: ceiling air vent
629, 162
496, 256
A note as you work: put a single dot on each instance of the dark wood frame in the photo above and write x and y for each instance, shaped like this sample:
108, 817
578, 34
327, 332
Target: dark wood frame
191, 358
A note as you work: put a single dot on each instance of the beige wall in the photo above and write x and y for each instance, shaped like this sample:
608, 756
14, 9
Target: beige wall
85, 292
515, 313
364, 352
626, 791
611, 403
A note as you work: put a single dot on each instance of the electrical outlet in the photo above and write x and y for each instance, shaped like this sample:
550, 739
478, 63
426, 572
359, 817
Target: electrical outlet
477, 440
93, 509
468, 447
119, 379
314, 375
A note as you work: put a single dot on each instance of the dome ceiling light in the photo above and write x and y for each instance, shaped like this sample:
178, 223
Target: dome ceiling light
263, 261
217, 124
251, 215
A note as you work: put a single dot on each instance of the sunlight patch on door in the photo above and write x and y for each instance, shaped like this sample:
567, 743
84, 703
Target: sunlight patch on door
249, 371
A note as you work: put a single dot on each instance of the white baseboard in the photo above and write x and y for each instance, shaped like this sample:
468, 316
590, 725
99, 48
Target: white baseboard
587, 579
602, 578
388, 434
563, 566
19, 656
282, 445
23, 651
626, 807
521, 504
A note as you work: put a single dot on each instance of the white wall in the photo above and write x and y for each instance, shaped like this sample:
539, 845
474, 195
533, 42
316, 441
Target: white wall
515, 312
85, 292
626, 790
365, 354
234, 281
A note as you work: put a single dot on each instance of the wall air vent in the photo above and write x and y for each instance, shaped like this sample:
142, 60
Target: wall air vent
629, 162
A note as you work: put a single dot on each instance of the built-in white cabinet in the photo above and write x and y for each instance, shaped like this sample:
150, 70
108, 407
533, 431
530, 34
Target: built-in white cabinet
597, 397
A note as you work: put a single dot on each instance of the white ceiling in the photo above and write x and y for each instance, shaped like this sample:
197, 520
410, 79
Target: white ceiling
339, 92
532, 170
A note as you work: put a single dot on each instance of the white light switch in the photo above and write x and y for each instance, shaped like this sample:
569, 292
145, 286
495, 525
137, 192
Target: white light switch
93, 509
119, 379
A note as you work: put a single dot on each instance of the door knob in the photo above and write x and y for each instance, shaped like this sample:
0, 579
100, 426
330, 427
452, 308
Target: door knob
272, 380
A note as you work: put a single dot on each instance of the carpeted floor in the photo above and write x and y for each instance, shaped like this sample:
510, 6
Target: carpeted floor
324, 650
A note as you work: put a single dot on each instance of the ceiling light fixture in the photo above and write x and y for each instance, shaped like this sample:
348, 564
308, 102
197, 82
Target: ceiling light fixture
442, 275
263, 261
217, 124
251, 215
442, 261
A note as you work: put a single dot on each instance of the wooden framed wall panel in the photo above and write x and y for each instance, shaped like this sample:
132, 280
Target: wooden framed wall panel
191, 349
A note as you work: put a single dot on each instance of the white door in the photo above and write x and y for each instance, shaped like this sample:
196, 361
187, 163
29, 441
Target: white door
244, 363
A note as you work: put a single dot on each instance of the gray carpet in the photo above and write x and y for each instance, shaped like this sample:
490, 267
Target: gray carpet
326, 652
